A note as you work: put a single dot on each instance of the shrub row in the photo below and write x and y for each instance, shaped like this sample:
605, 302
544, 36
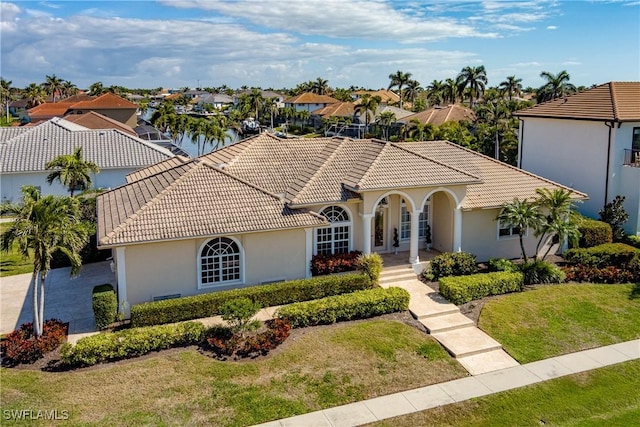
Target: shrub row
329, 264
105, 305
462, 289
356, 305
206, 305
451, 264
21, 346
610, 274
110, 346
593, 233
609, 254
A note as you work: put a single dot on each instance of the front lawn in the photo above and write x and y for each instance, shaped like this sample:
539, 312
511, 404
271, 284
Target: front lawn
558, 319
315, 368
12, 263
603, 397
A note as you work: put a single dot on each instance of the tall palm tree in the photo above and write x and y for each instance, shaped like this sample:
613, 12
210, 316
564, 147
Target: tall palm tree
320, 86
512, 87
385, 120
6, 95
521, 214
435, 92
450, 91
97, 89
368, 104
496, 115
35, 95
413, 90
557, 86
197, 132
421, 131
399, 79
256, 101
72, 171
42, 226
473, 79
53, 86
69, 89
558, 223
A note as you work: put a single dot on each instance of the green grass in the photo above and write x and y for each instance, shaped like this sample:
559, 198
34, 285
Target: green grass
603, 397
12, 262
559, 319
322, 368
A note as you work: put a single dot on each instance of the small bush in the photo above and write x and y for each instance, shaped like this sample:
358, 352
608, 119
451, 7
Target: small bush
593, 233
238, 313
614, 214
371, 265
632, 240
588, 273
105, 305
207, 305
225, 343
451, 264
501, 264
356, 305
541, 272
110, 346
21, 346
330, 264
462, 289
610, 254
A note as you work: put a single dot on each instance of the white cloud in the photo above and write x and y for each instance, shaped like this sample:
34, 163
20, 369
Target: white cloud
552, 27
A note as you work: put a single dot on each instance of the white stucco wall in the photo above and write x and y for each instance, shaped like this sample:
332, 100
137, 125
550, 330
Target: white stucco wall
168, 268
630, 189
11, 183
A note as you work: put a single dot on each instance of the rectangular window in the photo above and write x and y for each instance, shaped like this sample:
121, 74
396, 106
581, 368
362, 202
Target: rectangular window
505, 231
405, 222
423, 222
635, 142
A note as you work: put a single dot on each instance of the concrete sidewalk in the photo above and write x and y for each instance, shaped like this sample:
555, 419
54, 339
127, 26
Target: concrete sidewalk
432, 396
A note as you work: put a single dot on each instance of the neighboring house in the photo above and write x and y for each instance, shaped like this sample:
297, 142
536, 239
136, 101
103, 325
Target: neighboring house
439, 115
309, 101
108, 104
266, 94
218, 100
257, 211
386, 96
589, 141
25, 151
341, 110
93, 120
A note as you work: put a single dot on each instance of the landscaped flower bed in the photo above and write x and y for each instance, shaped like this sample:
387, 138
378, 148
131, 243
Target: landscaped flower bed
21, 346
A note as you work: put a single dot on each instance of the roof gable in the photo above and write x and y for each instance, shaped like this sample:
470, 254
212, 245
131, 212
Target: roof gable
105, 101
310, 98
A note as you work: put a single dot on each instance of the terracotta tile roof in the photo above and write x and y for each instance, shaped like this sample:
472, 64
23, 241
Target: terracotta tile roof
49, 110
439, 115
93, 120
196, 199
338, 109
310, 98
156, 168
613, 101
500, 182
385, 95
105, 101
109, 149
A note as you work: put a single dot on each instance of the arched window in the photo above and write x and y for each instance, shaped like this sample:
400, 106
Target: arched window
220, 262
335, 238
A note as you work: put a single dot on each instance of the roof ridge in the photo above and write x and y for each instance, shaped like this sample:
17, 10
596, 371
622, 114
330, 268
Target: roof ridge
439, 162
334, 140
375, 161
614, 101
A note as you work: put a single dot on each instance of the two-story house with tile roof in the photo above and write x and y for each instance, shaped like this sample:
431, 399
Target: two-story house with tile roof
258, 210
589, 141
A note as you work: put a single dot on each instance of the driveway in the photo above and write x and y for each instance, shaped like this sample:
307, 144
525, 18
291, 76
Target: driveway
66, 298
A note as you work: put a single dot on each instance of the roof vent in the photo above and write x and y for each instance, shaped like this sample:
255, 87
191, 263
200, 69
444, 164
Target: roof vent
222, 165
102, 133
45, 139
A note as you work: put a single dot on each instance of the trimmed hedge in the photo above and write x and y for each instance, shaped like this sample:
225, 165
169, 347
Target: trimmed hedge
610, 254
128, 343
451, 264
207, 305
105, 305
356, 305
593, 233
462, 289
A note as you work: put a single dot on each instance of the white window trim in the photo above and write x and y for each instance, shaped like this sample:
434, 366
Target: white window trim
403, 204
225, 283
332, 226
510, 236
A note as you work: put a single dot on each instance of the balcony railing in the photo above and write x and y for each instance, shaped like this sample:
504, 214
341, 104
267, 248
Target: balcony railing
632, 158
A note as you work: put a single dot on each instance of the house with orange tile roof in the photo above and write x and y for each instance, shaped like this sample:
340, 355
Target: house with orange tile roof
257, 211
386, 96
589, 141
108, 104
309, 101
440, 114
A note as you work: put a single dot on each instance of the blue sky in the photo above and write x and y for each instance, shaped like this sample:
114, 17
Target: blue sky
280, 43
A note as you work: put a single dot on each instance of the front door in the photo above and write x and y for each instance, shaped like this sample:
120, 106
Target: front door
379, 237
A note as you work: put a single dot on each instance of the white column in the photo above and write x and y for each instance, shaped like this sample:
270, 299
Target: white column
413, 247
308, 250
457, 230
366, 233
121, 279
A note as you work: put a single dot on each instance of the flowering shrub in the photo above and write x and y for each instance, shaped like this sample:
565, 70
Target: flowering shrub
328, 264
21, 346
609, 274
224, 342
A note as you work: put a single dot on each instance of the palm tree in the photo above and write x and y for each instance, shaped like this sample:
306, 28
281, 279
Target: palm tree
474, 79
72, 171
450, 91
256, 101
413, 90
197, 132
320, 86
557, 86
303, 116
35, 95
435, 92
521, 214
558, 223
496, 115
69, 89
6, 95
42, 226
421, 131
512, 87
97, 89
274, 110
385, 120
399, 79
215, 132
53, 86
368, 104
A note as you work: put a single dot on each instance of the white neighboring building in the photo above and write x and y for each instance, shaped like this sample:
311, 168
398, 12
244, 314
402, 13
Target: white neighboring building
589, 141
25, 151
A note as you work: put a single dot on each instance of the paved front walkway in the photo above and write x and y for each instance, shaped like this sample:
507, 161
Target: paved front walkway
459, 390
